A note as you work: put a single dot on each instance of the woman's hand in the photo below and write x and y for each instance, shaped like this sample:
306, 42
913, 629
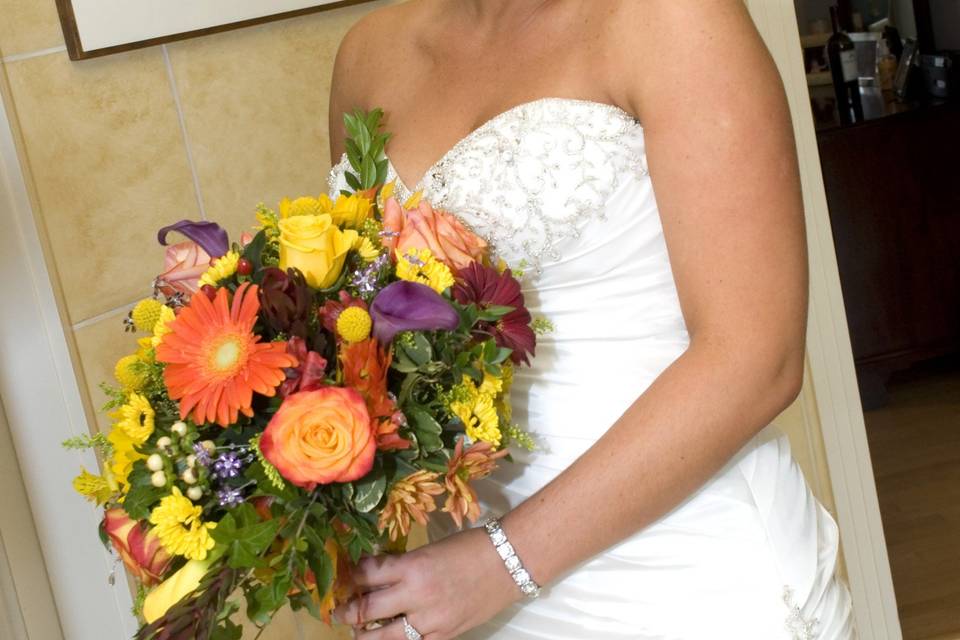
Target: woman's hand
444, 588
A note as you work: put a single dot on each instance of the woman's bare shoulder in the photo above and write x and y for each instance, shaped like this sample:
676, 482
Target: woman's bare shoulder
373, 51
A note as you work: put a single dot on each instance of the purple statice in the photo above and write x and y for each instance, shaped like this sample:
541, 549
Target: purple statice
202, 455
366, 279
228, 465
229, 497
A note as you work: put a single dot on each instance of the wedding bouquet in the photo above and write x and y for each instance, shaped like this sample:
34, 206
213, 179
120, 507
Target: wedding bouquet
300, 397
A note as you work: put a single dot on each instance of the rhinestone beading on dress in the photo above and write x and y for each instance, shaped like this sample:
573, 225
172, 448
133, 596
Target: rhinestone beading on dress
530, 178
800, 628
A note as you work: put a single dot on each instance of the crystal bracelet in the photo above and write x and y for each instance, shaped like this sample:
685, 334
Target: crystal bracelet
510, 560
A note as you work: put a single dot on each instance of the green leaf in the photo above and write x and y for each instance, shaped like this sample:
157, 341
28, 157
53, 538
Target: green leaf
142, 494
427, 428
244, 544
494, 313
227, 630
254, 250
352, 181
370, 490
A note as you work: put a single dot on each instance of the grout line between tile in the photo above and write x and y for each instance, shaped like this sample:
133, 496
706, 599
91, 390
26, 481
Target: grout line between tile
15, 57
86, 322
183, 131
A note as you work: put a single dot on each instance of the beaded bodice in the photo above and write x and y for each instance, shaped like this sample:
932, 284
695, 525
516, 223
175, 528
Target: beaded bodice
530, 178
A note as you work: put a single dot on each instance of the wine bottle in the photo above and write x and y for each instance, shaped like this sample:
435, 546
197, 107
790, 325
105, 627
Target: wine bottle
843, 67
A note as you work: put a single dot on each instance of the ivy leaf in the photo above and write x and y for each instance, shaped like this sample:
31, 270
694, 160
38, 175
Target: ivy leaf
367, 494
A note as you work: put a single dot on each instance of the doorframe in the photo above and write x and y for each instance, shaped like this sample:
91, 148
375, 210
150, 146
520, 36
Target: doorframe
42, 399
830, 356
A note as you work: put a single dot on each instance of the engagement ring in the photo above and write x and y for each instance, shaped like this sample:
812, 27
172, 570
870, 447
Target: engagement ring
410, 631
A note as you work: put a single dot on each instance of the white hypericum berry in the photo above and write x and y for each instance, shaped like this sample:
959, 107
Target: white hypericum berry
179, 428
189, 476
158, 479
191, 461
209, 445
155, 462
164, 442
194, 493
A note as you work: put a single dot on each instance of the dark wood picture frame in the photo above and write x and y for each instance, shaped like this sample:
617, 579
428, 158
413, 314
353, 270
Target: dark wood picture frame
77, 52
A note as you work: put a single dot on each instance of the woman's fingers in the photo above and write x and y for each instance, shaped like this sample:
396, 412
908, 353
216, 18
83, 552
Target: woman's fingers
376, 571
375, 605
392, 631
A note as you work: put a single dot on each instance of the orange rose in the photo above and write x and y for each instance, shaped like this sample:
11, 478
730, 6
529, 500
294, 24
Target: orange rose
320, 437
139, 547
428, 228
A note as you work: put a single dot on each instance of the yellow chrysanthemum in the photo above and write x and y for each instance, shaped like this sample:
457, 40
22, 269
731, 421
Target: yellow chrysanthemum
420, 266
477, 412
124, 455
365, 247
348, 211
221, 269
354, 324
161, 329
135, 418
146, 314
130, 373
177, 523
92, 487
305, 206
491, 385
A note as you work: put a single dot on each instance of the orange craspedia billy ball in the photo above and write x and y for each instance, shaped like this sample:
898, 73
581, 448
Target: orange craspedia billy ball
321, 437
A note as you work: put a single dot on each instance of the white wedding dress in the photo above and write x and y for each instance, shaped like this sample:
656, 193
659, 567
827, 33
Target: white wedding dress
561, 185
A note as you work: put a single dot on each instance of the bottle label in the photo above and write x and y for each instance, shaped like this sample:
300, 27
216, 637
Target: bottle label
848, 60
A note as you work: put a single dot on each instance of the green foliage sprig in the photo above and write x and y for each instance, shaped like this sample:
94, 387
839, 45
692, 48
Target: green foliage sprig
366, 146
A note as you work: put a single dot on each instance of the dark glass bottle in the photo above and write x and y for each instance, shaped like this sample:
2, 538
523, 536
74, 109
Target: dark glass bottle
843, 67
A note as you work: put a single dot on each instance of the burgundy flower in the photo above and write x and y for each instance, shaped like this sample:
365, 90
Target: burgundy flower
285, 301
309, 374
487, 287
410, 306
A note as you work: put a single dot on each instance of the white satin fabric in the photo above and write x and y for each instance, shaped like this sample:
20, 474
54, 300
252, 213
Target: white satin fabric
562, 185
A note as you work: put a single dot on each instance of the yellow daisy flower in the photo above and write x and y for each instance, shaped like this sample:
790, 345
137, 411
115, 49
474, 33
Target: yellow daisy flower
135, 418
177, 523
124, 455
366, 249
221, 269
421, 266
477, 412
348, 211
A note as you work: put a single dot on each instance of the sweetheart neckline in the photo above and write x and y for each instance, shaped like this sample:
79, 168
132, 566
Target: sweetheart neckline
611, 108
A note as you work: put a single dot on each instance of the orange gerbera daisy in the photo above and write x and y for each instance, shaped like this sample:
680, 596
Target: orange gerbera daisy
214, 360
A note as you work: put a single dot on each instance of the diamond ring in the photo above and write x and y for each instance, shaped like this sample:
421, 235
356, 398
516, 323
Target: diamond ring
410, 631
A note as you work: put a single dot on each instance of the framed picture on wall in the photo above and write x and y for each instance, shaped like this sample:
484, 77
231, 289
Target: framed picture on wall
94, 28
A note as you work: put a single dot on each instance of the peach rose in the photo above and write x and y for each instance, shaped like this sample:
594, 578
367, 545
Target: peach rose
320, 437
183, 264
428, 228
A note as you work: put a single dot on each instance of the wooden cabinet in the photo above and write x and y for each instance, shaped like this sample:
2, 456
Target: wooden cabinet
893, 189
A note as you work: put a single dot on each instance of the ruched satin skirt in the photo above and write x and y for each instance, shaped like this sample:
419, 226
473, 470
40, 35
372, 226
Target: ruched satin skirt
750, 556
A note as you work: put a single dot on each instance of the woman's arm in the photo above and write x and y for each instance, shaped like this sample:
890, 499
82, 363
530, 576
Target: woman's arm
723, 164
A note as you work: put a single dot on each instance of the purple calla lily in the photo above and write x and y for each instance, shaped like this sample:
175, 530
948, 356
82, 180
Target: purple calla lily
410, 306
208, 235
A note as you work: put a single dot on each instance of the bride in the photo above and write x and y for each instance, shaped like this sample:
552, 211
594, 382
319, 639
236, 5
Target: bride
659, 502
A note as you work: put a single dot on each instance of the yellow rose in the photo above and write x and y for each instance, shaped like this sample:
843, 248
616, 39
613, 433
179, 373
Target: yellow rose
315, 246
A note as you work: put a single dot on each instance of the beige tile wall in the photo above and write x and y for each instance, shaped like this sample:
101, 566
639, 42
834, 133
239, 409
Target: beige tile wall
116, 147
